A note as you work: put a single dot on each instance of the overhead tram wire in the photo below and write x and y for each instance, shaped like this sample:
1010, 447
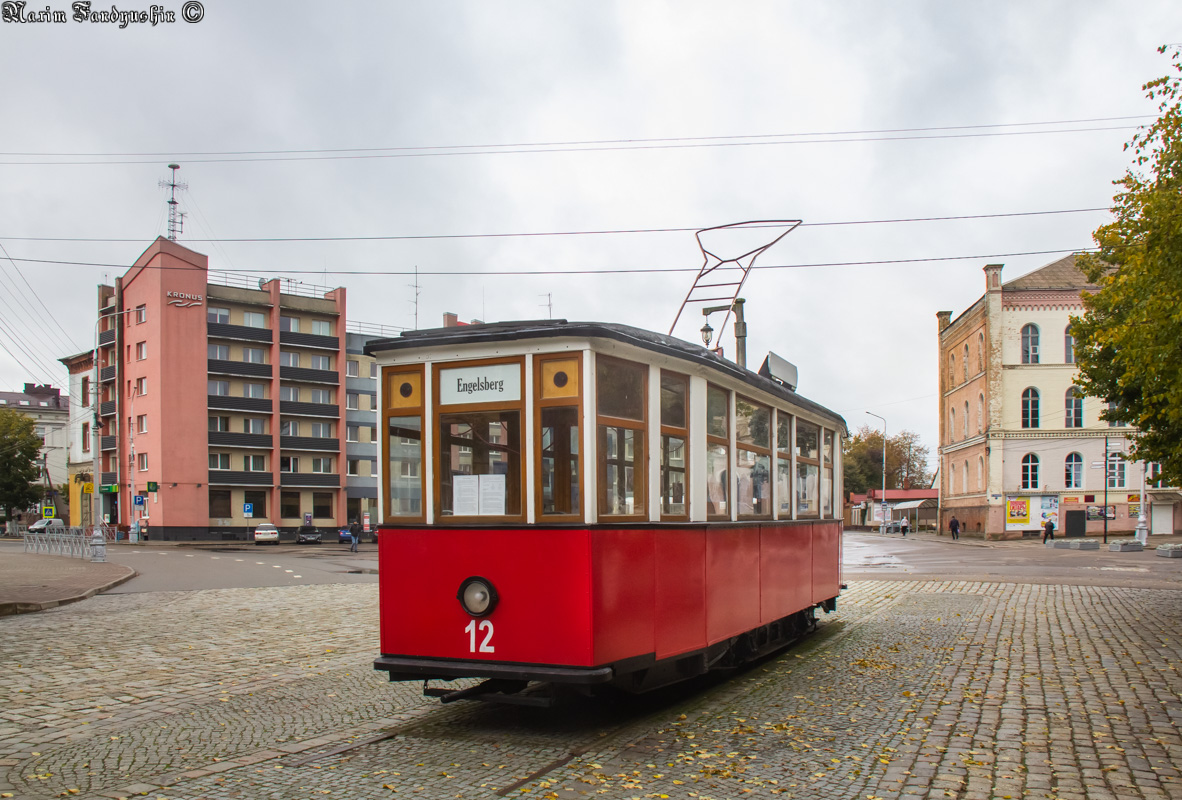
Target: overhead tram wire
578, 143
538, 234
67, 340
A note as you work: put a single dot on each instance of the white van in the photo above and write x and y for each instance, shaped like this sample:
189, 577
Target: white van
42, 525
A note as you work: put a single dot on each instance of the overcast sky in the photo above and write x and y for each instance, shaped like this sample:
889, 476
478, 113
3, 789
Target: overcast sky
798, 95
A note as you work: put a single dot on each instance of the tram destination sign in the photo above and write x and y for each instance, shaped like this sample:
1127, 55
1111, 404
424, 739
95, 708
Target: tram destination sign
488, 384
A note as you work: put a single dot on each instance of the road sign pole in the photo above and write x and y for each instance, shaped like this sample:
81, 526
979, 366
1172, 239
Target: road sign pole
1107, 466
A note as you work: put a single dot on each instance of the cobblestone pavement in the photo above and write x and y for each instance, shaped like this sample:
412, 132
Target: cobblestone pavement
913, 689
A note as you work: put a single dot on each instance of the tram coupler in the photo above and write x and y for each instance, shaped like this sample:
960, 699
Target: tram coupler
493, 690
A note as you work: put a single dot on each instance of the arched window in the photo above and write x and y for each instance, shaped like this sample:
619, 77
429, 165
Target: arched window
965, 365
952, 479
980, 352
966, 420
964, 479
1030, 344
951, 370
952, 424
980, 473
1030, 408
980, 412
1073, 408
1073, 471
1068, 346
1030, 471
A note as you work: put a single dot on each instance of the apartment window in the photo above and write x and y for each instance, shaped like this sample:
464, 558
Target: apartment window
219, 503
409, 469
980, 352
965, 366
807, 469
753, 467
373, 369
141, 314
718, 453
952, 479
289, 427
219, 424
258, 501
1068, 346
674, 443
1073, 408
321, 327
322, 396
291, 324
219, 388
254, 425
219, 460
353, 466
142, 461
1030, 471
254, 355
980, 473
321, 362
1030, 408
220, 316
322, 504
322, 430
141, 423
141, 351
85, 399
351, 433
141, 386
288, 359
1030, 344
289, 505
952, 424
1114, 423
351, 368
965, 422
254, 319
322, 464
980, 412
352, 401
951, 370
1073, 471
289, 394
85, 437
254, 463
255, 390
219, 352
621, 389
1116, 473
289, 464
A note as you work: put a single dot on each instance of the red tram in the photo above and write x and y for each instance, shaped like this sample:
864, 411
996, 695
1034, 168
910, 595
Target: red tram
587, 503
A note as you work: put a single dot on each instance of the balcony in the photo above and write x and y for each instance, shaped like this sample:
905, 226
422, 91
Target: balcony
107, 443
251, 369
109, 478
251, 440
106, 337
309, 409
309, 340
362, 450
221, 330
107, 373
324, 480
222, 401
228, 477
310, 375
108, 407
309, 443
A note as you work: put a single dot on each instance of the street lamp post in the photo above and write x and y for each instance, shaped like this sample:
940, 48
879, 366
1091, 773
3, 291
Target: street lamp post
1142, 533
882, 500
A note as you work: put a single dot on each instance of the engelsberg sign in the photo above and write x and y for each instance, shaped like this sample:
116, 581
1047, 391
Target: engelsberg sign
487, 384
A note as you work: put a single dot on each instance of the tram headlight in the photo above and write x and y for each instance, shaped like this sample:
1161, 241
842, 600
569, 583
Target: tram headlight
478, 596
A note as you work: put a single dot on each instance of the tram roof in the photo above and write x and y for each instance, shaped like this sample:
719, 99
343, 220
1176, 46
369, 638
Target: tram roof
638, 337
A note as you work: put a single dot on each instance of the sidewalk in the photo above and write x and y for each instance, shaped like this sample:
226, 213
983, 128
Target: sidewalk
977, 541
34, 582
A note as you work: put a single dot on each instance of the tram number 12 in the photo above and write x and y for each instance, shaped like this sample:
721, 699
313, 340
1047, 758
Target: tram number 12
486, 644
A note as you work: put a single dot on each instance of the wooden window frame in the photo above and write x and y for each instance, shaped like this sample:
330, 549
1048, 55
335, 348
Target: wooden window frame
576, 402
723, 441
640, 469
751, 448
828, 464
786, 456
806, 461
387, 374
437, 410
684, 435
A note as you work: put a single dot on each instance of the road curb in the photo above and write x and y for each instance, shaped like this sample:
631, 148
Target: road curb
8, 609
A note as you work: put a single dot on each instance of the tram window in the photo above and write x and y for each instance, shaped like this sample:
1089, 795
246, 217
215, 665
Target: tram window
753, 435
484, 480
717, 454
406, 458
827, 474
560, 460
808, 469
784, 464
674, 436
620, 390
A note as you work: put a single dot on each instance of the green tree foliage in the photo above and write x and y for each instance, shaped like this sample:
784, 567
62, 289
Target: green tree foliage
1129, 341
19, 462
906, 461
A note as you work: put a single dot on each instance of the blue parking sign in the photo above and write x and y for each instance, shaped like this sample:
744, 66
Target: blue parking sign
248, 510
138, 500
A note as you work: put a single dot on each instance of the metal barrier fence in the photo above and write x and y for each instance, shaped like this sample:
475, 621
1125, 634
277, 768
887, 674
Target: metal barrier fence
72, 542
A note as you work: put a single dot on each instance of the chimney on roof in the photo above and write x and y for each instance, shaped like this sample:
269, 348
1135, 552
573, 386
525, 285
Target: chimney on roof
450, 320
993, 277
943, 318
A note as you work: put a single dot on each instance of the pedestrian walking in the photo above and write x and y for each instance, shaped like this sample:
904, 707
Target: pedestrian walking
954, 527
354, 535
1048, 531
904, 525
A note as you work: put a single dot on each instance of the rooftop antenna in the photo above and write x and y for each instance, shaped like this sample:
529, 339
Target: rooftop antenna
549, 304
176, 219
418, 291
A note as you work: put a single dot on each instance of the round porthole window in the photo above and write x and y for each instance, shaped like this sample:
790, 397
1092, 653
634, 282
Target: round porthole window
560, 379
406, 390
